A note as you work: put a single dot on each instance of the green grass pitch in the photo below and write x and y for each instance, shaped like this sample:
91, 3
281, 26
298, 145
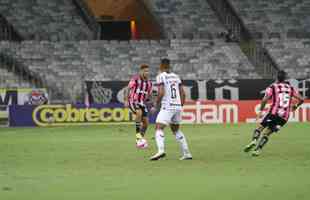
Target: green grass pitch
102, 163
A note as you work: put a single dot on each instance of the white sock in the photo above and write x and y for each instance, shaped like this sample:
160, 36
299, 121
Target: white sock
160, 141
180, 137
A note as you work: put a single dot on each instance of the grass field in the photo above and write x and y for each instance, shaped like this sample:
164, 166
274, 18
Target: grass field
92, 163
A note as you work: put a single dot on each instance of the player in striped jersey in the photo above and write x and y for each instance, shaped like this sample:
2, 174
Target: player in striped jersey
138, 92
281, 93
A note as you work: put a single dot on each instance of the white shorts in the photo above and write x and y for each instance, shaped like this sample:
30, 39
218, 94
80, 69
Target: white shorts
169, 117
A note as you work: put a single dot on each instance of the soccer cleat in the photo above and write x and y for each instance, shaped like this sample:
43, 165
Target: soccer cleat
256, 152
249, 146
186, 157
158, 156
138, 136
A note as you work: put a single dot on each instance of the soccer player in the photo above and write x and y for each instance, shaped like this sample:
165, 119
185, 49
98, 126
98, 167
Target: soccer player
171, 97
137, 93
281, 93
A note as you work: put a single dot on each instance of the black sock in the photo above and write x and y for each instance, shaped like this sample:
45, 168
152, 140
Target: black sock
138, 127
263, 141
142, 131
256, 134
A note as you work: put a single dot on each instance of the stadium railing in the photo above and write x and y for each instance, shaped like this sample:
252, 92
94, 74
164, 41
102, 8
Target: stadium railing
24, 74
7, 31
251, 47
19, 69
88, 17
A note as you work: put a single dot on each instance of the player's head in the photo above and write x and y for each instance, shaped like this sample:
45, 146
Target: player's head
281, 76
144, 71
164, 65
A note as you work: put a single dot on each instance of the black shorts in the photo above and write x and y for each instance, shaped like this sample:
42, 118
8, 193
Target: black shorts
274, 122
136, 106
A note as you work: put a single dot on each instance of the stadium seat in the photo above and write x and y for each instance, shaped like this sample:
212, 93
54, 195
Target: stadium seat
186, 19
285, 19
66, 64
45, 20
292, 56
10, 80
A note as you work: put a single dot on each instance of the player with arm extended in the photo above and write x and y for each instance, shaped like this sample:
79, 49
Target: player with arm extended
281, 94
171, 98
137, 93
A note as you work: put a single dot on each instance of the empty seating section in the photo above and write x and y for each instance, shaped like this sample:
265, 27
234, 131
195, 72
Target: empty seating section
186, 18
65, 56
66, 64
293, 56
10, 80
275, 18
45, 20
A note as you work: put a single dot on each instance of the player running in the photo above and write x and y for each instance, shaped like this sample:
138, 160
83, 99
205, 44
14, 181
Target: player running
138, 92
171, 96
281, 93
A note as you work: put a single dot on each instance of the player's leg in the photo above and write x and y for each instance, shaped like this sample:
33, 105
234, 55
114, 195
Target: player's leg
163, 119
145, 124
160, 142
266, 122
274, 124
180, 137
255, 138
141, 142
263, 141
138, 117
138, 124
145, 121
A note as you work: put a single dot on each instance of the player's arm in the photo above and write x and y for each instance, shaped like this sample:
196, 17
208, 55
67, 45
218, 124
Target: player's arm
300, 100
150, 94
161, 94
182, 94
264, 101
126, 94
131, 84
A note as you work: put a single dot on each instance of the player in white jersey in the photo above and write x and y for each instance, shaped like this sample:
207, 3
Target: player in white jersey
171, 97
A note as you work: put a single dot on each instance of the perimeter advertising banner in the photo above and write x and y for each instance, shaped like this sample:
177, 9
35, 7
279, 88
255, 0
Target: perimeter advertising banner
194, 112
20, 96
68, 115
221, 112
102, 92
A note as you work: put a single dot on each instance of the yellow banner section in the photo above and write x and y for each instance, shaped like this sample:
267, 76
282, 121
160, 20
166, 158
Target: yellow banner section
4, 115
61, 115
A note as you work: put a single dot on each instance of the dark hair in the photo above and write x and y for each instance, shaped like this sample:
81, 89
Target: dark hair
165, 61
281, 76
144, 67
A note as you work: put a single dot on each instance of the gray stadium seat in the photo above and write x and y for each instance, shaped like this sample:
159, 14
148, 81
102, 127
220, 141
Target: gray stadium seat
280, 19
291, 55
45, 20
186, 19
67, 64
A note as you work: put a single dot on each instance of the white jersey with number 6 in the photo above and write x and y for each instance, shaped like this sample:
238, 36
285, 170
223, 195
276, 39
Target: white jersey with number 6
171, 82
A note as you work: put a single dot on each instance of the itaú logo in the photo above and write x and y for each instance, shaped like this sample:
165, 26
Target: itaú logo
60, 115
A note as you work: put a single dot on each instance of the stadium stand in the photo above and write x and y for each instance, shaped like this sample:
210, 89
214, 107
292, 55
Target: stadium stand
292, 56
275, 19
59, 51
45, 20
11, 80
65, 65
186, 18
7, 31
